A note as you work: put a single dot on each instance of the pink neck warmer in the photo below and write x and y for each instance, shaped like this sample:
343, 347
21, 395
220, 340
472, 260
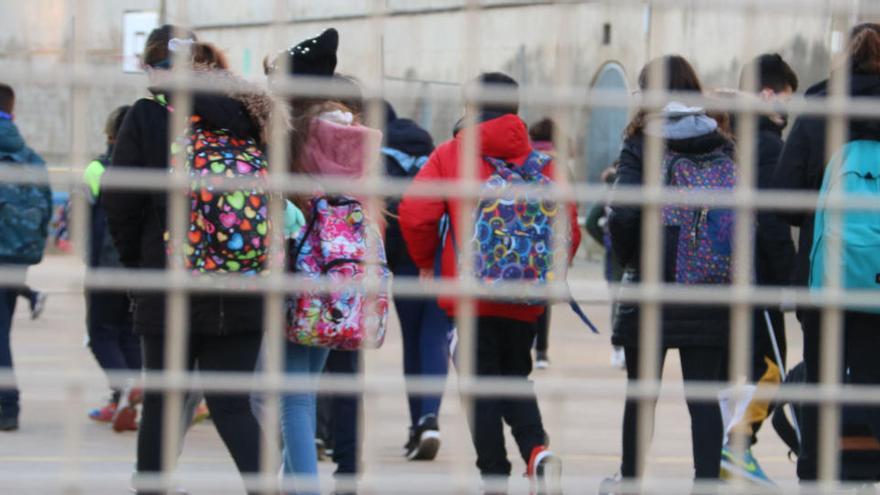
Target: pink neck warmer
340, 150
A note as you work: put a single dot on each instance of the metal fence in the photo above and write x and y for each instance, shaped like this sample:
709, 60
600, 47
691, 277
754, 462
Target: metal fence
564, 102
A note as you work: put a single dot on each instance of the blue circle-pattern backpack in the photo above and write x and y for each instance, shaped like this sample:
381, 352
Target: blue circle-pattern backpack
513, 230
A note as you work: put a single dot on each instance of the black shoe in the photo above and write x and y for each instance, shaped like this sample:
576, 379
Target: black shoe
8, 423
424, 440
37, 303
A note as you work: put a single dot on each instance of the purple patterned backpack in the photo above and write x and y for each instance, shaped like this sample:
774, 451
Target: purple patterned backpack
702, 235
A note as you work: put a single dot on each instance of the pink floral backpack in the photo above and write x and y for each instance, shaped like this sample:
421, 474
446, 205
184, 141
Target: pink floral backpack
334, 247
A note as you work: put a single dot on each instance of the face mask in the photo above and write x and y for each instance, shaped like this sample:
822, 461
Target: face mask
338, 117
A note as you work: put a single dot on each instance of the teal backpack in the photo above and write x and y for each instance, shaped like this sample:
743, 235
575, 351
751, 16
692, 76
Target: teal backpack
853, 172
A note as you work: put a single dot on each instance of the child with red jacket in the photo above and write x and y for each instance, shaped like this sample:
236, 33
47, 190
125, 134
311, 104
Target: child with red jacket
505, 331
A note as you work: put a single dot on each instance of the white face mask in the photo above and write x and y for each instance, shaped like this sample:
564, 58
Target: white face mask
338, 117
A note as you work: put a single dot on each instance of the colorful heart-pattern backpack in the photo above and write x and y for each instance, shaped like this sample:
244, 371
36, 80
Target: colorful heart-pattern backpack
513, 231
228, 229
335, 247
703, 235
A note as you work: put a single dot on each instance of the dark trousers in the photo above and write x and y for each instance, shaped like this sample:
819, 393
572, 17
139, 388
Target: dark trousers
231, 413
542, 339
504, 349
8, 395
425, 331
338, 413
113, 341
861, 342
707, 431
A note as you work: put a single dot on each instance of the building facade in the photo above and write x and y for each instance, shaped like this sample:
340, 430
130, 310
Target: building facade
419, 49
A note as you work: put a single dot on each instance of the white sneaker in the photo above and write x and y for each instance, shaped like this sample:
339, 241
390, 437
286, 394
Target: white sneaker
618, 358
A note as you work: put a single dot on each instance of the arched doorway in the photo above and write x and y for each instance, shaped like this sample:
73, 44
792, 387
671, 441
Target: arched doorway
606, 124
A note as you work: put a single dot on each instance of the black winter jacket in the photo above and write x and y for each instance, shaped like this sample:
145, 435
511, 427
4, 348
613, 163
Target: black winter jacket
802, 162
105, 308
774, 246
137, 220
405, 136
682, 325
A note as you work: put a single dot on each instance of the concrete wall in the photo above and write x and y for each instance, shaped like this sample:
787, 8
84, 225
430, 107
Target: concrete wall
420, 46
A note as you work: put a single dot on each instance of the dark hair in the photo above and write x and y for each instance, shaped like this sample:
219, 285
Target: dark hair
865, 26
7, 98
542, 130
772, 72
680, 77
498, 80
114, 122
864, 49
156, 53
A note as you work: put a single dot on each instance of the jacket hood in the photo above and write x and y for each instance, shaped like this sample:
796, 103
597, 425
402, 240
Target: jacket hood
11, 141
405, 135
241, 106
678, 121
505, 137
337, 149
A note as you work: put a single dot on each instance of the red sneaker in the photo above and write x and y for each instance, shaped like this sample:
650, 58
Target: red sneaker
103, 414
544, 472
126, 415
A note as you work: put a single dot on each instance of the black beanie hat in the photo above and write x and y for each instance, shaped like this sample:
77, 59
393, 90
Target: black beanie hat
315, 56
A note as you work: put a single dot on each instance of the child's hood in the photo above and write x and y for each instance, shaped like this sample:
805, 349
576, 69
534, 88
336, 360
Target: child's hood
679, 121
337, 149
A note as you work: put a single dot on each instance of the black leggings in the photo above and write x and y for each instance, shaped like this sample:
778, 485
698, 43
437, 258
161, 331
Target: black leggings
231, 413
707, 431
542, 339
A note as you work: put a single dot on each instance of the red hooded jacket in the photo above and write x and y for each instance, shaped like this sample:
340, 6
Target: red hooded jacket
505, 138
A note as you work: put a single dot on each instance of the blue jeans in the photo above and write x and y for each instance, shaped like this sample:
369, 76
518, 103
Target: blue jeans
298, 415
8, 396
338, 413
425, 329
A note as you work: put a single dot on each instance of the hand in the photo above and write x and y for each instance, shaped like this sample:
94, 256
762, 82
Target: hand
426, 274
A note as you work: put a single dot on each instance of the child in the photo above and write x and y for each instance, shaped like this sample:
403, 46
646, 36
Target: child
700, 333
224, 331
108, 313
328, 140
505, 331
12, 227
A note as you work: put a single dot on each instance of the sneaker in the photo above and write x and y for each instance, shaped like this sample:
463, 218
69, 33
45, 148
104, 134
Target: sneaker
618, 358
8, 423
321, 449
544, 472
126, 414
542, 362
743, 466
38, 304
612, 486
104, 414
424, 440
201, 414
